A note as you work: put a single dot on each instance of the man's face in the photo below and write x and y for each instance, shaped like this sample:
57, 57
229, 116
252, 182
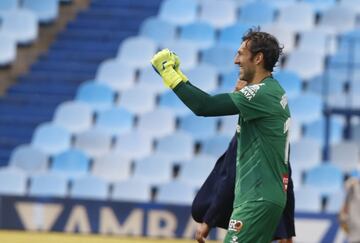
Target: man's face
245, 61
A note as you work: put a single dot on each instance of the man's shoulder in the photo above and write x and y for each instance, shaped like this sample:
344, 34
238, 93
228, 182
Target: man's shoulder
250, 91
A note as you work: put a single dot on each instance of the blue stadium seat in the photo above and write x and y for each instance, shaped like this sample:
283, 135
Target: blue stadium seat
74, 116
285, 36
335, 202
347, 38
112, 167
346, 155
93, 142
297, 17
352, 4
316, 130
131, 190
220, 57
216, 145
355, 133
290, 81
228, 82
257, 13
209, 12
116, 75
130, 101
153, 169
338, 18
72, 163
179, 12
279, 4
204, 76
306, 108
228, 125
46, 11
305, 153
114, 121
308, 200
134, 145
171, 101
296, 130
231, 36
326, 178
7, 49
338, 101
175, 192
12, 182
195, 171
51, 138
177, 146
6, 5
148, 79
321, 5
200, 33
296, 176
326, 83
157, 123
98, 96
200, 128
89, 187
355, 173
319, 41
187, 51
20, 24
29, 159
355, 100
307, 68
158, 30
129, 51
48, 185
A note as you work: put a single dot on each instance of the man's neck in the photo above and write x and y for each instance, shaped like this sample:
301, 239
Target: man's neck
260, 76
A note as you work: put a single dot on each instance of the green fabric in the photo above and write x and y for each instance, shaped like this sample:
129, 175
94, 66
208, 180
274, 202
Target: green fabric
253, 222
262, 153
203, 104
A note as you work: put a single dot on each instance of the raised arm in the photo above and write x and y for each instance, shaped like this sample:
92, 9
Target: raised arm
203, 104
166, 64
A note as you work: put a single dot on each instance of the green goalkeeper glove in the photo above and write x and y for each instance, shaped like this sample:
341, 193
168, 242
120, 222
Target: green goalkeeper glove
164, 64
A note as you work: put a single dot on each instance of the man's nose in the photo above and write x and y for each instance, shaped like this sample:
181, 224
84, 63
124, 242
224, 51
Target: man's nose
236, 60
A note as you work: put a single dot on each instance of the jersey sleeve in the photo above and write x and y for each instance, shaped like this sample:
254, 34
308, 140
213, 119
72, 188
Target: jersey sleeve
253, 101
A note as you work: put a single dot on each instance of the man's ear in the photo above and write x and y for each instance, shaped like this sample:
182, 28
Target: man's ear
259, 57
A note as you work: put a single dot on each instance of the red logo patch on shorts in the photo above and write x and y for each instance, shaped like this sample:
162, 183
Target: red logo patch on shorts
285, 180
235, 225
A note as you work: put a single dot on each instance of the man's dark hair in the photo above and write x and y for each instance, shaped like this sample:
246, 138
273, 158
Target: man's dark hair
265, 43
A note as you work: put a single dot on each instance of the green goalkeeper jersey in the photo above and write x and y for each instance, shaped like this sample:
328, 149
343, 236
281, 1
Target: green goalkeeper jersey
262, 153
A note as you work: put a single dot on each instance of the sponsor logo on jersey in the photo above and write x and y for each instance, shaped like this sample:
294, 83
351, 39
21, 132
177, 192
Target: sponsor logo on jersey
250, 91
235, 225
284, 101
285, 180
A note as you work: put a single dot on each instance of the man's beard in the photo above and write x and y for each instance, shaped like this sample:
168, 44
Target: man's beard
246, 76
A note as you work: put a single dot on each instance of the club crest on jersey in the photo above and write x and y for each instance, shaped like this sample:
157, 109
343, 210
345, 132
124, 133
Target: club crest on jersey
235, 225
250, 91
234, 239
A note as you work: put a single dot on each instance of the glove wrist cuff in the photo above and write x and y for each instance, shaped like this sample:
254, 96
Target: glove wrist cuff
171, 77
183, 76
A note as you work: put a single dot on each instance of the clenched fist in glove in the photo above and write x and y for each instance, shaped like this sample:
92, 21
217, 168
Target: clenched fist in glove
166, 64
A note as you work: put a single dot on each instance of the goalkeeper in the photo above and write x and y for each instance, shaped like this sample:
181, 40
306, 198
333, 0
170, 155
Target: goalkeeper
212, 205
262, 133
